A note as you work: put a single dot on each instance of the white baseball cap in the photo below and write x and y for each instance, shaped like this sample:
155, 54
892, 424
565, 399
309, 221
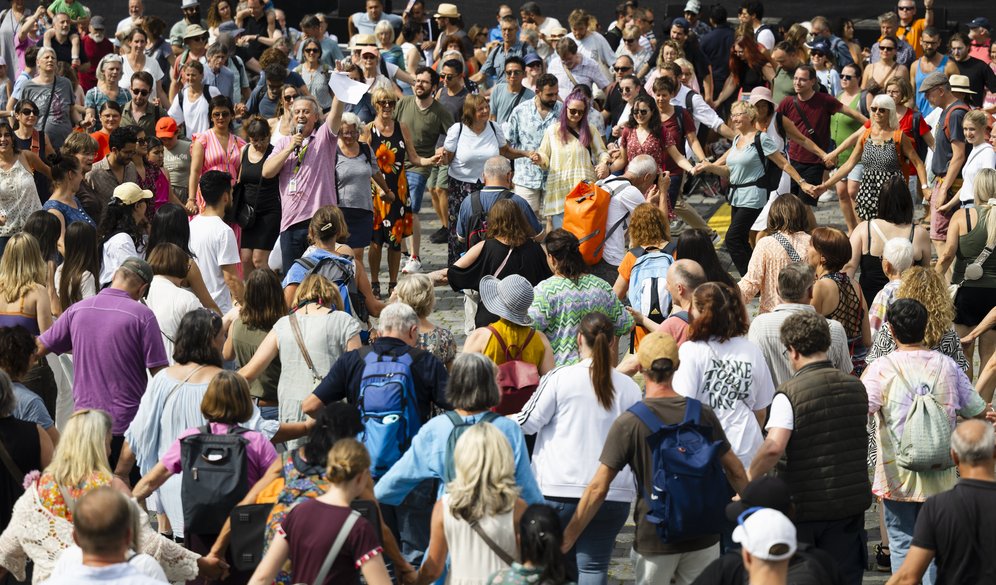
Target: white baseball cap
766, 534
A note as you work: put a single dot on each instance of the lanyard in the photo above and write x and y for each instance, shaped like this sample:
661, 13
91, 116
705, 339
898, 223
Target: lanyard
300, 155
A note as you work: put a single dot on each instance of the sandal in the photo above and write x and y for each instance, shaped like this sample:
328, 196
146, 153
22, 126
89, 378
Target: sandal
390, 288
375, 287
883, 558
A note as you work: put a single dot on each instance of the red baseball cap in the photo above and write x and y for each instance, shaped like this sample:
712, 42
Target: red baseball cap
166, 128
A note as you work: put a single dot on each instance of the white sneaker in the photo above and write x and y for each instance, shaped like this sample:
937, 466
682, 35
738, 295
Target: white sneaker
412, 266
828, 196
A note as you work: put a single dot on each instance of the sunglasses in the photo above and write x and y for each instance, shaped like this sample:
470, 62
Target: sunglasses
876, 109
29, 112
641, 112
514, 72
631, 40
621, 69
140, 92
846, 77
312, 51
886, 48
575, 112
448, 76
386, 103
905, 8
290, 98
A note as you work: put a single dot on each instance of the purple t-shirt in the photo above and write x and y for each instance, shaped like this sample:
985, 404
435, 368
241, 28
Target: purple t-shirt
114, 339
308, 184
260, 451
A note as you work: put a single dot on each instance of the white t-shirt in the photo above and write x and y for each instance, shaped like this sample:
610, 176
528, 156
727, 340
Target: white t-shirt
170, 303
193, 114
731, 377
625, 198
765, 37
116, 250
781, 415
213, 244
151, 67
548, 25
981, 157
473, 150
88, 284
71, 559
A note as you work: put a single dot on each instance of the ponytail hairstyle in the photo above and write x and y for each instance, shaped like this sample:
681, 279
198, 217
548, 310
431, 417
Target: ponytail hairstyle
562, 245
541, 535
598, 334
346, 459
985, 196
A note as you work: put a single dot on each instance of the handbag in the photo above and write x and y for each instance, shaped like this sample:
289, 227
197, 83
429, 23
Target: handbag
243, 212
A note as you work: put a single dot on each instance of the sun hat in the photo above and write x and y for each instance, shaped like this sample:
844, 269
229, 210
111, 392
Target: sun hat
767, 534
760, 94
508, 297
447, 11
359, 41
960, 84
194, 31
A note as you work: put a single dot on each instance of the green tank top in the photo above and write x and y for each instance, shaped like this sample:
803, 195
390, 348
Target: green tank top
842, 126
969, 247
245, 342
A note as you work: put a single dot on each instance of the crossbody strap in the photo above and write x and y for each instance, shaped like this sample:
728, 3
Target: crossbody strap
184, 381
802, 116
781, 239
340, 540
503, 262
296, 328
502, 553
8, 462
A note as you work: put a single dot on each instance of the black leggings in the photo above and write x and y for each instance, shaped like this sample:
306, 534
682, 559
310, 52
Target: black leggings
738, 236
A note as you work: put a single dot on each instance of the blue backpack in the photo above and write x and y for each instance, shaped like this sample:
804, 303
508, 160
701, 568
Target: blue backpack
648, 283
388, 407
689, 487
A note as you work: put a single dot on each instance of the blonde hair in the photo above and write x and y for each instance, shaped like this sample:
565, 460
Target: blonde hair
346, 459
484, 482
380, 93
22, 267
82, 449
985, 191
417, 291
318, 289
926, 286
884, 101
977, 118
745, 108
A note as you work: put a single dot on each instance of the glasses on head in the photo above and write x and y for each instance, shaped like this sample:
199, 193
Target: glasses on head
621, 68
640, 112
886, 48
514, 72
386, 103
140, 92
29, 112
290, 97
575, 111
312, 51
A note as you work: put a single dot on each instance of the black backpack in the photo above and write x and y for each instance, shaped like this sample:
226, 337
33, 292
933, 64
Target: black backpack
477, 225
460, 426
771, 176
215, 477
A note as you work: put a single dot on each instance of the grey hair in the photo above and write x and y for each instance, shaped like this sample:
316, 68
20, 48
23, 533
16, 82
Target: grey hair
532, 37
217, 48
497, 167
642, 165
885, 101
398, 318
315, 106
7, 399
43, 50
473, 384
889, 16
969, 446
793, 281
350, 119
898, 252
108, 58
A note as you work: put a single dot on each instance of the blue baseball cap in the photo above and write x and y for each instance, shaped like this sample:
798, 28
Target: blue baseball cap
820, 45
682, 22
980, 22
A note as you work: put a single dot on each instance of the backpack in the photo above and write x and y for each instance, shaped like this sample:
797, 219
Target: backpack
771, 176
215, 477
689, 487
517, 379
925, 443
388, 407
460, 426
477, 225
947, 118
648, 283
586, 215
918, 141
338, 270
774, 32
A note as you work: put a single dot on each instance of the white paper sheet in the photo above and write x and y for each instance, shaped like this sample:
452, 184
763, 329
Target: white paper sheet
347, 90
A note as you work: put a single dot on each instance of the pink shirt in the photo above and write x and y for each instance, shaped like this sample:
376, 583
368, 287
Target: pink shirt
260, 451
307, 181
766, 262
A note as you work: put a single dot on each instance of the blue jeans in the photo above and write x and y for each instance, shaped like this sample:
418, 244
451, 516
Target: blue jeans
410, 521
269, 412
416, 189
557, 221
293, 243
900, 518
593, 549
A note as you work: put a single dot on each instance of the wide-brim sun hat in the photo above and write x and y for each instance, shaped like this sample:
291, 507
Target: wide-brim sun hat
508, 297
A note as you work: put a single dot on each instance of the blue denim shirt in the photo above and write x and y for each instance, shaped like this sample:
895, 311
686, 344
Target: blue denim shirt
426, 458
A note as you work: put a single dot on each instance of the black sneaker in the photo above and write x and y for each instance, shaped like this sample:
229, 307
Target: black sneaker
440, 236
883, 559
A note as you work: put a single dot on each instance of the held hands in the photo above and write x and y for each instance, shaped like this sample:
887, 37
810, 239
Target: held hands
191, 206
601, 170
535, 157
212, 567
830, 160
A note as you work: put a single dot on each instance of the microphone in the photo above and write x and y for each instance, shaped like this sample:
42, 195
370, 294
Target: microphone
298, 130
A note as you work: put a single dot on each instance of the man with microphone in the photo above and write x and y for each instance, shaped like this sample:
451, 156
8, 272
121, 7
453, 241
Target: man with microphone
305, 164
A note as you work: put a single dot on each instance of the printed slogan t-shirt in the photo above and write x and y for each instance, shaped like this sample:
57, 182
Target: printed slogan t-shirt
732, 378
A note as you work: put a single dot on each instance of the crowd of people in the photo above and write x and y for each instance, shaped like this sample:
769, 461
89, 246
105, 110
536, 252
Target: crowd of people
203, 376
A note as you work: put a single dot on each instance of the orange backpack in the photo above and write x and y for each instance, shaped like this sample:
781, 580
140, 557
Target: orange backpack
586, 215
897, 138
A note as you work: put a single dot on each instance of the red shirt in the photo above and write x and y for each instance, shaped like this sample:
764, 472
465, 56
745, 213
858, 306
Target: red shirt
676, 136
93, 52
817, 110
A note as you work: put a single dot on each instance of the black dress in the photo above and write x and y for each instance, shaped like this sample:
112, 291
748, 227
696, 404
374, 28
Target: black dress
265, 197
20, 438
873, 278
528, 261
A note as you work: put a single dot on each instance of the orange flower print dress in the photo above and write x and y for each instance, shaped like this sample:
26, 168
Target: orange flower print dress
392, 221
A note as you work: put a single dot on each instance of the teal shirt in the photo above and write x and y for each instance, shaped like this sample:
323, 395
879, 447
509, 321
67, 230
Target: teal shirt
745, 167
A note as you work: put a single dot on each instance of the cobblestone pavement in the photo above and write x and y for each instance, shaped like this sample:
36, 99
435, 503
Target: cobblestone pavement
449, 314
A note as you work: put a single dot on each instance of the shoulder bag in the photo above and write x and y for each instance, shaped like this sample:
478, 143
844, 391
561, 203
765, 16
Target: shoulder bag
502, 553
296, 328
974, 269
15, 472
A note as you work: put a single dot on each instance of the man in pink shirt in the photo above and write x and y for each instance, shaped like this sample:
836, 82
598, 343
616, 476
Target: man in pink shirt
305, 162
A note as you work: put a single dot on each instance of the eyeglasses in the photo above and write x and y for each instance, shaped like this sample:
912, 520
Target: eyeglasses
312, 51
29, 112
905, 8
620, 69
886, 48
448, 76
846, 77
369, 57
290, 98
633, 40
140, 92
641, 112
514, 72
575, 111
623, 89
386, 103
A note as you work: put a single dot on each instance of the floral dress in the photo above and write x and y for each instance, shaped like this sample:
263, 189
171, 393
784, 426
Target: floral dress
298, 486
51, 496
392, 221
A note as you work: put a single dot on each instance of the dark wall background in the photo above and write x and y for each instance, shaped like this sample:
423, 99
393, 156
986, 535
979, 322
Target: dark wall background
479, 11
